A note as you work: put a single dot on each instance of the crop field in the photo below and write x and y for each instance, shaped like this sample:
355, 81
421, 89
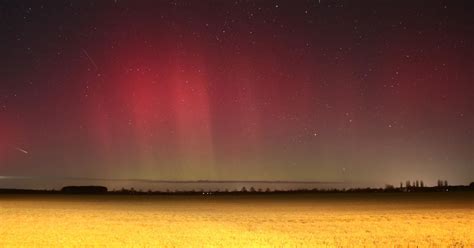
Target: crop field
322, 220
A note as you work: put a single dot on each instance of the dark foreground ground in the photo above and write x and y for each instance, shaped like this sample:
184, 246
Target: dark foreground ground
413, 199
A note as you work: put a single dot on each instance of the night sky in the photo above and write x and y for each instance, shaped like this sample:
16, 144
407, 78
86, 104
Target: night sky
360, 91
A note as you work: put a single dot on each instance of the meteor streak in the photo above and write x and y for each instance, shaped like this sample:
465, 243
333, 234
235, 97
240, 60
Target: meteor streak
21, 150
90, 58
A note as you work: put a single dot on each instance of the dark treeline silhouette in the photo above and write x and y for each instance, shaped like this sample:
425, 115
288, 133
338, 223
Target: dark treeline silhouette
416, 187
84, 190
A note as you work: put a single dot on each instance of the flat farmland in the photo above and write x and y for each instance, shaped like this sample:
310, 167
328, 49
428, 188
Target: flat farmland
303, 220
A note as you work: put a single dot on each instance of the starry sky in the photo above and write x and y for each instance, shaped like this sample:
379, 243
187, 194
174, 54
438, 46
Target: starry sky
359, 91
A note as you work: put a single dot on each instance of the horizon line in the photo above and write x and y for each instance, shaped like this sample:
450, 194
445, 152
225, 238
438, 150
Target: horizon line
176, 181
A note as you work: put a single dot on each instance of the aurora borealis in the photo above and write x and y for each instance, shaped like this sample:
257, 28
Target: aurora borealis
363, 91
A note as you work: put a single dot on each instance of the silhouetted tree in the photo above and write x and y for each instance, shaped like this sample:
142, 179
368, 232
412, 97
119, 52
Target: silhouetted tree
401, 185
422, 184
243, 189
407, 184
445, 183
389, 187
417, 184
252, 189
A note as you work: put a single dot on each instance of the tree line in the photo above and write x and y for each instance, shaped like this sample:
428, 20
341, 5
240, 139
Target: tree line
416, 186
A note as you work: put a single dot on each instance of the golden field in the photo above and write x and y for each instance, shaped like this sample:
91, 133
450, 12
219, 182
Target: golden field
324, 220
